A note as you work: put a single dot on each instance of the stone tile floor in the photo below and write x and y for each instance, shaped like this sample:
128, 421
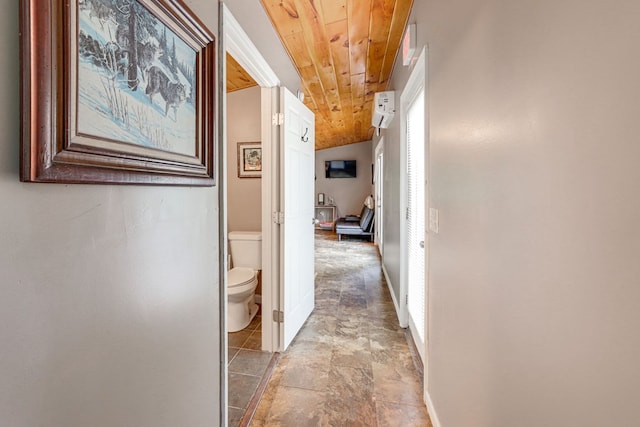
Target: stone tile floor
247, 365
350, 365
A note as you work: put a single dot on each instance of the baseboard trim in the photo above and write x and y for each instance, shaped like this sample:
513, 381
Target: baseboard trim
393, 297
432, 411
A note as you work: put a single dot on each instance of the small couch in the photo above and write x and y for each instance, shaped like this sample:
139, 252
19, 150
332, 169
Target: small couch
356, 225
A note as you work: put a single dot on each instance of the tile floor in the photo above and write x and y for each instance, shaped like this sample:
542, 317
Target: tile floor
247, 365
350, 365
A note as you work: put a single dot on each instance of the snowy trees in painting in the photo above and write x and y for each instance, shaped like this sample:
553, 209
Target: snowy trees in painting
136, 77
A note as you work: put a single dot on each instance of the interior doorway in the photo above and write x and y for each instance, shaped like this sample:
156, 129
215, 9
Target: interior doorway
234, 392
238, 45
414, 236
287, 134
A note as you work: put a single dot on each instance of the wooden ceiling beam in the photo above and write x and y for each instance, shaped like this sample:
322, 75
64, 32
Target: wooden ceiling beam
312, 83
284, 16
358, 16
339, 43
381, 14
296, 45
334, 10
318, 48
399, 20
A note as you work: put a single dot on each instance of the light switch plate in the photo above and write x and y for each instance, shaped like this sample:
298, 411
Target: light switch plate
433, 220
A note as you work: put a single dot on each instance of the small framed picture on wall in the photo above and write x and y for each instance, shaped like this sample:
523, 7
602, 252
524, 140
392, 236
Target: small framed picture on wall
249, 159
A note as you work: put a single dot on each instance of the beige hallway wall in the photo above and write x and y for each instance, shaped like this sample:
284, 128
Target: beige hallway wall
348, 193
108, 294
534, 296
244, 195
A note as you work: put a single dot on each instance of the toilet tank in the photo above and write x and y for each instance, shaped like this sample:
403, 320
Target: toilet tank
246, 249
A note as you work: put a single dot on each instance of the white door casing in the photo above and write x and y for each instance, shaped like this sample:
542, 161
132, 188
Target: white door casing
416, 219
238, 44
379, 192
417, 85
417, 245
297, 158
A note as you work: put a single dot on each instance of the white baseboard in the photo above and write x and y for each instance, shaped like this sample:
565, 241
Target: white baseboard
393, 297
430, 408
432, 411
258, 299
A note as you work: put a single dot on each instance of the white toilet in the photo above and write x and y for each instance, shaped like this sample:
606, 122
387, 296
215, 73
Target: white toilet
242, 279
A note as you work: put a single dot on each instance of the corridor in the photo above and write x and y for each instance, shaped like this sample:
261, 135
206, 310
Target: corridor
350, 365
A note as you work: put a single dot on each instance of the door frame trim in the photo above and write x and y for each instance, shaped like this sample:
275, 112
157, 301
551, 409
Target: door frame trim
379, 185
235, 41
418, 80
239, 45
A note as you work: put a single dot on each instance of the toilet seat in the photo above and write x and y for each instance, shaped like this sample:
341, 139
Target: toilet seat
240, 277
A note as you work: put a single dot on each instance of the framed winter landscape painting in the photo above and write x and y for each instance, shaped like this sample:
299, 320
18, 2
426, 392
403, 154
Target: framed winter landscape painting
116, 91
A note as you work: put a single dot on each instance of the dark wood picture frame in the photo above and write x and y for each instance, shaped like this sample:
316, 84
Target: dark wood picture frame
52, 148
249, 159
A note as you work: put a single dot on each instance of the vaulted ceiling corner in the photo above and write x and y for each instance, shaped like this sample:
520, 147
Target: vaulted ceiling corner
237, 77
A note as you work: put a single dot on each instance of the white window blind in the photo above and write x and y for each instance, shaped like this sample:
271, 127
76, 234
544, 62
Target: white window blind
416, 214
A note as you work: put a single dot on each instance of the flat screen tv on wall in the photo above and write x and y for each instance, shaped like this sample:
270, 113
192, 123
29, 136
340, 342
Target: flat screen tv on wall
340, 168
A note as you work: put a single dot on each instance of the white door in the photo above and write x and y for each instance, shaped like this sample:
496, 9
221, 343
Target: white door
416, 220
379, 187
414, 238
297, 134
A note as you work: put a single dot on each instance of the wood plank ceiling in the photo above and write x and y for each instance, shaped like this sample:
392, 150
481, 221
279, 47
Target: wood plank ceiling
237, 77
344, 51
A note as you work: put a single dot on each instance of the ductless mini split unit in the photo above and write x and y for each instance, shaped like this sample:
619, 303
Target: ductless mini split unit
383, 109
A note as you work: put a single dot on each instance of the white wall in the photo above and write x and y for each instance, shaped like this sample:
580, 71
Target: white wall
108, 294
348, 193
534, 296
244, 199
